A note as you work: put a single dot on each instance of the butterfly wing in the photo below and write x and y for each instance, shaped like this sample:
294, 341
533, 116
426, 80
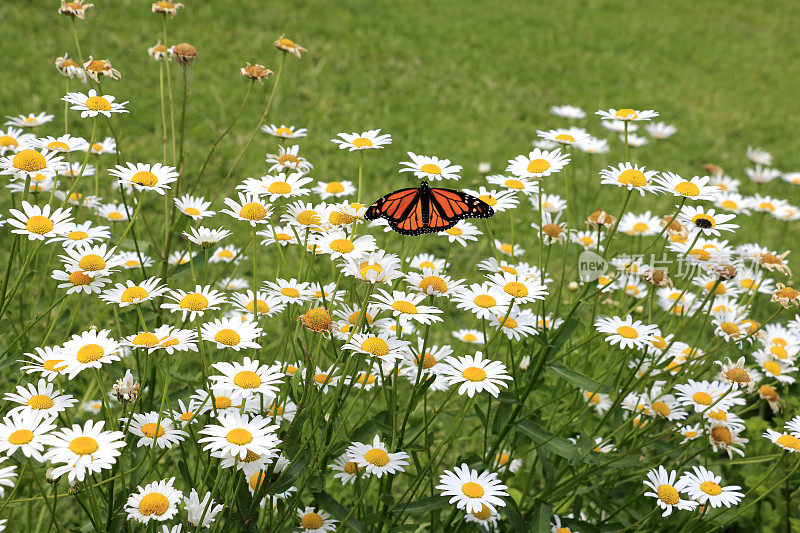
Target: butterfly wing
393, 206
455, 205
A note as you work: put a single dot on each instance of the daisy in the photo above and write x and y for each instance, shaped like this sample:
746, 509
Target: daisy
626, 332
261, 303
567, 136
707, 221
334, 189
206, 237
205, 510
338, 245
155, 501
762, 174
288, 159
92, 104
194, 208
226, 254
65, 143
131, 293
250, 208
431, 168
599, 401
48, 361
406, 306
423, 261
660, 130
505, 461
154, 429
627, 114
383, 345
470, 490
28, 162
289, 291
470, 336
237, 435
516, 324
193, 304
485, 300
498, 200
26, 432
278, 186
703, 394
282, 235
734, 202
433, 283
284, 132
461, 233
145, 177
90, 349
315, 520
232, 333
83, 450
13, 139
375, 458
594, 146
7, 476
42, 397
362, 141
630, 176
696, 188
633, 140
702, 485
346, 470
537, 164
775, 369
248, 378
175, 258
666, 490
568, 111
39, 223
75, 234
476, 374
642, 225
523, 289
114, 212
374, 267
30, 120
618, 126
787, 441
106, 146
132, 260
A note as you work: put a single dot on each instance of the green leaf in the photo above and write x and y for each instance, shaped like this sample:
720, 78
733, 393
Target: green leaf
185, 475
541, 517
290, 475
577, 379
339, 512
515, 520
548, 441
423, 505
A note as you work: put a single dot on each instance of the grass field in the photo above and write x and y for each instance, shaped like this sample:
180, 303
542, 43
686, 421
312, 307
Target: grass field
471, 81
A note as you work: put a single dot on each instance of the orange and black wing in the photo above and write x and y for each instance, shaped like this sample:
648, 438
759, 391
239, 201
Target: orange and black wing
402, 209
452, 206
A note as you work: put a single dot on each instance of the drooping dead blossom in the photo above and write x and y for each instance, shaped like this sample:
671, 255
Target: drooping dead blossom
287, 45
166, 8
184, 53
96, 68
600, 218
160, 52
75, 8
256, 72
657, 277
772, 262
786, 296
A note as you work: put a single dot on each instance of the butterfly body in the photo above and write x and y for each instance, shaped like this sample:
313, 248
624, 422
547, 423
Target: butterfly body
416, 211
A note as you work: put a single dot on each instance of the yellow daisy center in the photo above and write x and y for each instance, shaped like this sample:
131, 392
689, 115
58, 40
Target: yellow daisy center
472, 490
52, 365
222, 402
633, 177
788, 441
133, 293
312, 521
428, 360
516, 289
343, 246
377, 457
39, 225
627, 332
154, 503
308, 218
709, 487
20, 437
565, 138
739, 375
228, 337
469, 337
89, 353
473, 373
430, 168
40, 401
247, 379
258, 305
191, 211
334, 187
660, 408
253, 211
362, 142
404, 307
772, 367
288, 160
194, 301
97, 103
668, 494
483, 514
150, 430
687, 188
283, 130
29, 161
626, 113
375, 346
514, 184
434, 282
145, 339
7, 140
58, 145
291, 292
83, 445
454, 231
239, 436
92, 263
703, 398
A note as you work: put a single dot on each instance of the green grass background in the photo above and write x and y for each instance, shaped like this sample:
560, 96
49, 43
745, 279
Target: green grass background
470, 80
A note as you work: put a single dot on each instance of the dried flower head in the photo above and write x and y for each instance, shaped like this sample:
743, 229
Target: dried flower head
287, 45
185, 53
76, 8
96, 68
256, 72
772, 262
317, 319
675, 227
657, 278
600, 218
724, 271
69, 68
165, 8
714, 170
766, 392
126, 389
786, 296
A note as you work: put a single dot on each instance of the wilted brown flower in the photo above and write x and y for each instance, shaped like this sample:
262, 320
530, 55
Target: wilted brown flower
160, 52
714, 170
256, 72
600, 218
775, 262
786, 296
657, 278
69, 68
164, 8
765, 392
100, 67
287, 45
724, 271
184, 53
76, 8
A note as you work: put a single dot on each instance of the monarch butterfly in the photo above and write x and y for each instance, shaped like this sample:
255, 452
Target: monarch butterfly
426, 210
